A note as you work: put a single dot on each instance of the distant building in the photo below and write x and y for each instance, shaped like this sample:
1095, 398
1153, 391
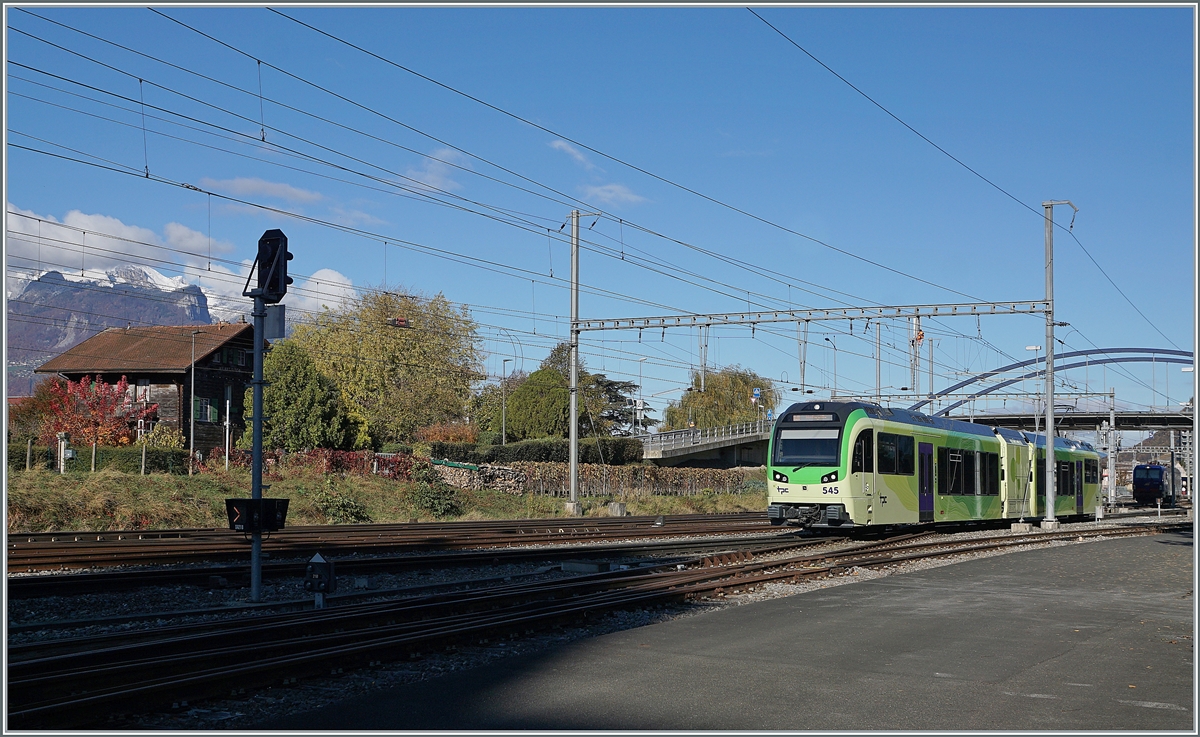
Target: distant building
157, 363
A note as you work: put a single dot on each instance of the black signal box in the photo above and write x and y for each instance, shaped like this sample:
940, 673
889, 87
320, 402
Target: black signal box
273, 256
319, 576
256, 515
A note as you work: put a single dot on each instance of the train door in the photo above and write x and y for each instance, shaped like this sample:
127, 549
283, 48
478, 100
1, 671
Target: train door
862, 474
1064, 485
1078, 487
925, 481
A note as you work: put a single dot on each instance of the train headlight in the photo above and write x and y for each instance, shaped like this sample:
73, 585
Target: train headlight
779, 477
829, 478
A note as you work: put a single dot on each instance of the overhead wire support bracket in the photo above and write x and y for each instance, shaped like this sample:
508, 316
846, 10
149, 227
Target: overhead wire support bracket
1034, 307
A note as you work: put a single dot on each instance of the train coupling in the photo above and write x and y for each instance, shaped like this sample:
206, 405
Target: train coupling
802, 515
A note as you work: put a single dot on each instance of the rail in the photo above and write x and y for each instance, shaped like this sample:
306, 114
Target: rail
696, 436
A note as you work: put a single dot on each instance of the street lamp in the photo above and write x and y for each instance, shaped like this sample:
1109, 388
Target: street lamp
641, 408
504, 401
192, 427
833, 393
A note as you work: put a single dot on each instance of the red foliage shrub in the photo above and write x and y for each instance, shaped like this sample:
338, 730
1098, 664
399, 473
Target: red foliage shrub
92, 412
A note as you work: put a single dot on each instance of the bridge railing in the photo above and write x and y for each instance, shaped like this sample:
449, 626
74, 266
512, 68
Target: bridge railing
696, 436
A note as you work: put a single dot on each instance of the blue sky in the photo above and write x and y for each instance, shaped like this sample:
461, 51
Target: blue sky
1095, 105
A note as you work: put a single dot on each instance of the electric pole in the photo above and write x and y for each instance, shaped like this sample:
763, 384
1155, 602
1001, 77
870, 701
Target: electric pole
1049, 522
573, 506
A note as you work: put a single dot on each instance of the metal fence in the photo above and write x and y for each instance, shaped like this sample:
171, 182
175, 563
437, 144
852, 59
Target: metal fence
684, 438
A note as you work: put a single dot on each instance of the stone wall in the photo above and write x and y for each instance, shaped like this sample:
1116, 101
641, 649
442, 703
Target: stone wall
499, 478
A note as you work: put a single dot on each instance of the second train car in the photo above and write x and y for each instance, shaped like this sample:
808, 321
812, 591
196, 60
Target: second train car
844, 464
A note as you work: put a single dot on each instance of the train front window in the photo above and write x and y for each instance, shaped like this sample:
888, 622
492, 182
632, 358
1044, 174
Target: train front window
800, 448
1147, 474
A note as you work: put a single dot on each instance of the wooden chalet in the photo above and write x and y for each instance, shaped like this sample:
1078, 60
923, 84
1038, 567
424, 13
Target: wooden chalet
157, 363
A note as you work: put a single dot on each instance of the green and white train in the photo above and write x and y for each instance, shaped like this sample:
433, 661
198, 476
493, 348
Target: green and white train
842, 465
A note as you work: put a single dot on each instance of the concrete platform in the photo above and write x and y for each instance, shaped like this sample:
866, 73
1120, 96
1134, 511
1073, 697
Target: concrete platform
1086, 637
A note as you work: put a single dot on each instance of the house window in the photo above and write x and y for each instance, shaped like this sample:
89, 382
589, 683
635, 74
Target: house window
204, 409
216, 359
143, 391
241, 356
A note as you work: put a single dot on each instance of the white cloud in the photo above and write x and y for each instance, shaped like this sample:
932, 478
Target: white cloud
612, 194
354, 218
435, 173
96, 243
193, 241
252, 186
111, 244
574, 153
325, 288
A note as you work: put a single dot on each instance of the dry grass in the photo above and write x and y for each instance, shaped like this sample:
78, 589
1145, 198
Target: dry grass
43, 501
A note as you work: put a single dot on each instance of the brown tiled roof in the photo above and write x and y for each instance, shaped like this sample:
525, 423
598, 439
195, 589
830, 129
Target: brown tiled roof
159, 349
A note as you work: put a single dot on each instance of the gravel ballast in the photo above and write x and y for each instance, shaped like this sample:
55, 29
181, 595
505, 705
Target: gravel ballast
263, 704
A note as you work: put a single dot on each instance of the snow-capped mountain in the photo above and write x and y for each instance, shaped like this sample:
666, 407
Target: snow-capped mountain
51, 312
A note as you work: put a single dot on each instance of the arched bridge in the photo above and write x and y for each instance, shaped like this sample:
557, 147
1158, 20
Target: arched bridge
746, 444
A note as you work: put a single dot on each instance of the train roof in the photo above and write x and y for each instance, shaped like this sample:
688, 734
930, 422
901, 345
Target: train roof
909, 417
1064, 443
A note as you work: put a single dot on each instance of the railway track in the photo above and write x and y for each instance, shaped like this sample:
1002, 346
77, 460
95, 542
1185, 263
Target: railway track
28, 553
23, 587
78, 681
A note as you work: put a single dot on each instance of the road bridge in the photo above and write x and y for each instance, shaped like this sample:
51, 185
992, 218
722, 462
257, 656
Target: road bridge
734, 445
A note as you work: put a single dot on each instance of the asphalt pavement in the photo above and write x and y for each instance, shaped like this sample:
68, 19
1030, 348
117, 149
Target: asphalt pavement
1096, 636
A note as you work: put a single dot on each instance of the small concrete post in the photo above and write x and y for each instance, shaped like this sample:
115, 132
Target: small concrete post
62, 452
93, 456
29, 454
143, 459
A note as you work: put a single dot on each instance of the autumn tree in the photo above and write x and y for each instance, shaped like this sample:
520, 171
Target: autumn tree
725, 400
27, 415
400, 362
302, 408
92, 412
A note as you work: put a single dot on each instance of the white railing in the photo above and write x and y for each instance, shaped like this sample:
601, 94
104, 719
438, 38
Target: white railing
685, 438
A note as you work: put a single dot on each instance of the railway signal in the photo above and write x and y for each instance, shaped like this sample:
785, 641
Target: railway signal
273, 256
319, 578
273, 281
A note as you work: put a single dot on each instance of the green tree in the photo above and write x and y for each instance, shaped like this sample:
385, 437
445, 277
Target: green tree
608, 407
397, 379
488, 402
301, 406
540, 406
724, 401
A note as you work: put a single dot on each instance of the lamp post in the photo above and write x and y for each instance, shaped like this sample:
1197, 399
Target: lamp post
192, 426
833, 393
641, 408
504, 401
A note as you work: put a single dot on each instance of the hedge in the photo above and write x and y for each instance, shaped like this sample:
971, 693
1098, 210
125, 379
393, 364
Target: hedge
127, 459
612, 452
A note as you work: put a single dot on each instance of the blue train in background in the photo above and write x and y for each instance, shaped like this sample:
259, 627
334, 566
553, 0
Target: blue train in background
1152, 482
